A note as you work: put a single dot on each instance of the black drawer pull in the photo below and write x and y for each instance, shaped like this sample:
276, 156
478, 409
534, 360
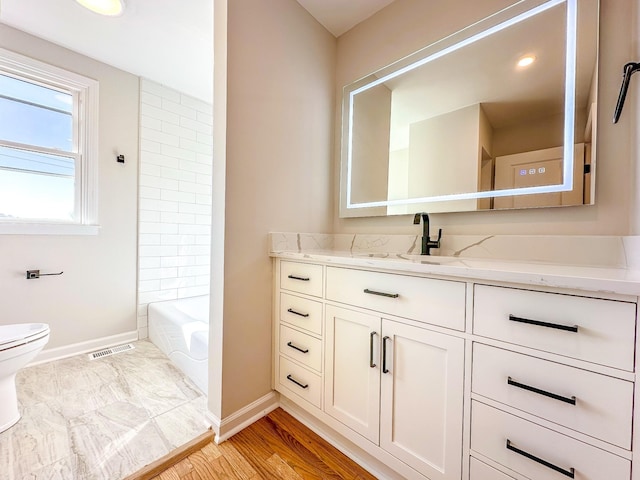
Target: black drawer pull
371, 335
291, 310
568, 328
289, 344
295, 277
570, 400
291, 379
382, 294
569, 473
384, 354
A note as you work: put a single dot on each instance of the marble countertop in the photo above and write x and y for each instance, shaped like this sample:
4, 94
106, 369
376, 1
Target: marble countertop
618, 280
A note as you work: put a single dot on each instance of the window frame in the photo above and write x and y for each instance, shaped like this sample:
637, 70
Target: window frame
85, 93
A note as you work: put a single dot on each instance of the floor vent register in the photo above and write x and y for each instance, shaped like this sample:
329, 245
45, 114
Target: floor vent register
110, 351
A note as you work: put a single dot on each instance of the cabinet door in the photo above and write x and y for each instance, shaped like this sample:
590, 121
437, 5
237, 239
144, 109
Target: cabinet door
421, 399
352, 378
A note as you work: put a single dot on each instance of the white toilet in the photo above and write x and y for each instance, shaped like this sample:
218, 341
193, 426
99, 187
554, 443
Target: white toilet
19, 344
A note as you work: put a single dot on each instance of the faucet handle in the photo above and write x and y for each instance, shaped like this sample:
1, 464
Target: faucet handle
435, 243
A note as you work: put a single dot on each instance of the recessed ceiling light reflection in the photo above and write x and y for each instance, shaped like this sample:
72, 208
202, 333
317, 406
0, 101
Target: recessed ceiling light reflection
110, 8
526, 61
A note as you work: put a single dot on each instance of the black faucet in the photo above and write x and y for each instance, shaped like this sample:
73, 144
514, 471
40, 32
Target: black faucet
427, 243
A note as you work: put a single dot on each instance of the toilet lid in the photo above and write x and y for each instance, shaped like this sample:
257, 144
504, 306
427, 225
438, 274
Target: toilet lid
21, 333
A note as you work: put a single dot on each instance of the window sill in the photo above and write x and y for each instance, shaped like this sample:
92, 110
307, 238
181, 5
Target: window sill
47, 229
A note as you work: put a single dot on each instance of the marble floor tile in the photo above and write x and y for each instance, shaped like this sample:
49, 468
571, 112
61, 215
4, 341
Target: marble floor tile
114, 441
63, 469
100, 419
78, 372
161, 390
183, 423
85, 399
39, 439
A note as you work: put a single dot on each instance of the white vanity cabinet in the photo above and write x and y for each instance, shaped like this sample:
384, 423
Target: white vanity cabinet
391, 383
462, 377
551, 394
298, 332
399, 386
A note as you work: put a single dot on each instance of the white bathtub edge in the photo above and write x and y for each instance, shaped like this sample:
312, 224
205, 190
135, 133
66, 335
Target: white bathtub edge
229, 426
59, 353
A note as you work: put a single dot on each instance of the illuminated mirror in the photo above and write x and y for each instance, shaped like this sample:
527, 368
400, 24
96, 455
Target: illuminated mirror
499, 115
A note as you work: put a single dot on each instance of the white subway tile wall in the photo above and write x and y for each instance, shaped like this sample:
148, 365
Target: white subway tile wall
174, 222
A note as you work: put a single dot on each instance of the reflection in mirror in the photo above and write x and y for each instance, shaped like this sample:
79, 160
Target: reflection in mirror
497, 116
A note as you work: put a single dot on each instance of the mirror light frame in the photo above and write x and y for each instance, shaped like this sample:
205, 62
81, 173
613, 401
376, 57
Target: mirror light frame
569, 107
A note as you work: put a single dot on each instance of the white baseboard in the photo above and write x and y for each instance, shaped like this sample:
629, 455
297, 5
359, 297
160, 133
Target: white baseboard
229, 426
58, 353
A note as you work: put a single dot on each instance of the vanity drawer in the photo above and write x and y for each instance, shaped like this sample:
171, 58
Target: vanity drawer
439, 302
300, 381
301, 312
301, 277
591, 329
603, 405
301, 347
493, 431
481, 471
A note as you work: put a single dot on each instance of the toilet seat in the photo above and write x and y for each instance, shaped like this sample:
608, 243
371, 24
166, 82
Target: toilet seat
12, 336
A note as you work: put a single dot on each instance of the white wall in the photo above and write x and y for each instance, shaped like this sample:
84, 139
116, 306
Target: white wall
174, 232
96, 295
274, 130
414, 23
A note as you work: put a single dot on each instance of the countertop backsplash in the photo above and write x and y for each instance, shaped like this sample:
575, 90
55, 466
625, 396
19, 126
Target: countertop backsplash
579, 250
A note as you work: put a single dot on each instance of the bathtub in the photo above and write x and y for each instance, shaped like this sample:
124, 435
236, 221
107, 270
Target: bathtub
180, 328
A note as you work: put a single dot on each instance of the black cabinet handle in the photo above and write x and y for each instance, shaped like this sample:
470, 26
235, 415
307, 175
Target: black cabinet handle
291, 310
382, 294
569, 473
295, 277
371, 335
291, 379
567, 328
384, 354
570, 400
289, 344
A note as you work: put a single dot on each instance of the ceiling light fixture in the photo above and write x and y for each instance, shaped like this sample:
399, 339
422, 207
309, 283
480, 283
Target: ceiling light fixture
526, 61
110, 8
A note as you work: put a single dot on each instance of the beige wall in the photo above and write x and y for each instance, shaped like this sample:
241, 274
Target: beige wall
278, 135
96, 295
370, 157
631, 117
415, 23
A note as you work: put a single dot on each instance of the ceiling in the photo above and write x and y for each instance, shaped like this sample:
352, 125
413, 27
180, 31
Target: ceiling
157, 39
338, 16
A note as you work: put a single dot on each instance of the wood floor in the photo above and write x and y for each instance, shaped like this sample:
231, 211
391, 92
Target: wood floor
275, 447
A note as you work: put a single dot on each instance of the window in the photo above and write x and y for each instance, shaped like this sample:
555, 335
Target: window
48, 145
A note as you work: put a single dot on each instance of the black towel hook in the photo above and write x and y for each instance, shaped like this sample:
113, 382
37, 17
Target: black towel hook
628, 70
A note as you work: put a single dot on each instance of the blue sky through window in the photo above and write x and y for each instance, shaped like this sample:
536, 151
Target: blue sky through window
33, 184
35, 115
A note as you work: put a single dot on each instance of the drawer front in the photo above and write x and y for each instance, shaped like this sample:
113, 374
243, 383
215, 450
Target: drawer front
507, 439
301, 312
438, 302
301, 277
605, 328
481, 471
603, 405
301, 347
300, 381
